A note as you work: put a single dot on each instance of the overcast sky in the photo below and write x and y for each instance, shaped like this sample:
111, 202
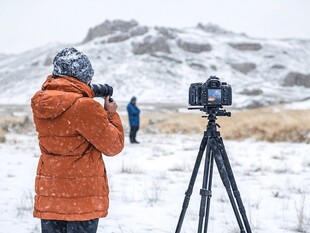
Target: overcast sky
26, 24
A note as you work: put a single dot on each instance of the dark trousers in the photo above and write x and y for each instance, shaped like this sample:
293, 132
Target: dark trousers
133, 133
57, 226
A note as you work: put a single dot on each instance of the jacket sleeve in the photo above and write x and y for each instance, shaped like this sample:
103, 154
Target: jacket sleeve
104, 130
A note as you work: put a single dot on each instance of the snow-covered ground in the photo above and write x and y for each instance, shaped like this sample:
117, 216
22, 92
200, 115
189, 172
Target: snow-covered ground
148, 181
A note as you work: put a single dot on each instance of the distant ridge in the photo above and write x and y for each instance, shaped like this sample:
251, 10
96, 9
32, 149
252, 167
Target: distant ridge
158, 63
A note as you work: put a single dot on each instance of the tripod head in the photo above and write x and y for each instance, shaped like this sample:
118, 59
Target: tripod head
212, 111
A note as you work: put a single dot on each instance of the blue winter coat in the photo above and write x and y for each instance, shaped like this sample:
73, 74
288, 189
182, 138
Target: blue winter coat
133, 115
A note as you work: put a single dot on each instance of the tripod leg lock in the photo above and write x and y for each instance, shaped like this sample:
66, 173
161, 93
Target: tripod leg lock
205, 192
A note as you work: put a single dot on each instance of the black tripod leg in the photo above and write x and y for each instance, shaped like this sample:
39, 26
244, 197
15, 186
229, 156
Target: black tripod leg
189, 190
224, 176
209, 197
205, 191
233, 184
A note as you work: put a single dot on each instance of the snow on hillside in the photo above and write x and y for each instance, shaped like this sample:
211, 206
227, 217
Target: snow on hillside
299, 105
158, 64
148, 181
2, 56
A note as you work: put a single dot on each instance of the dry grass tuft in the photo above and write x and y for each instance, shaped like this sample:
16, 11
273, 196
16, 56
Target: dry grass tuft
2, 136
18, 124
273, 124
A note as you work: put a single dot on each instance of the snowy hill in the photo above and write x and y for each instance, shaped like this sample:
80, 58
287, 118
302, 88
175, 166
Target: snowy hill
158, 64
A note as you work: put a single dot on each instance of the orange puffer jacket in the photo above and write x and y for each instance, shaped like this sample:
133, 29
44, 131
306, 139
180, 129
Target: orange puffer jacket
73, 130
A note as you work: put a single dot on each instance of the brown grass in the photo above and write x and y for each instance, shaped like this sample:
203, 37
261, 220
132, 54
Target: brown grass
18, 124
269, 125
273, 124
2, 135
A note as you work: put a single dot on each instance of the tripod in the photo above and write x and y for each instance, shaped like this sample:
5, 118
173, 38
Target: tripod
215, 150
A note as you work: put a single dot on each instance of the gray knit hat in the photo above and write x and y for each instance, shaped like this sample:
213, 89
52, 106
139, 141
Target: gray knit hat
70, 62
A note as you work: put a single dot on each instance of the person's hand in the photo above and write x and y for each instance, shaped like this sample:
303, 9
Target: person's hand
110, 106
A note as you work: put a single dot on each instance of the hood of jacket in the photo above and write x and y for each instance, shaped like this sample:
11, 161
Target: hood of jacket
57, 95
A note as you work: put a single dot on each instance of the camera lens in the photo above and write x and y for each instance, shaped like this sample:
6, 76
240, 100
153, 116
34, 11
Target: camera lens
102, 90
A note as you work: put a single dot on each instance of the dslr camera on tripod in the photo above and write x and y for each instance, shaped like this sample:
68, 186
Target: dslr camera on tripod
210, 97
212, 93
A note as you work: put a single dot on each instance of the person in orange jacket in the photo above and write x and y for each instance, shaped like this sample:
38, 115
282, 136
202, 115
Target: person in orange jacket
74, 131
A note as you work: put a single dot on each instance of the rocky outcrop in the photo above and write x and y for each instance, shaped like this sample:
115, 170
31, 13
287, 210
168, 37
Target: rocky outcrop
197, 66
109, 27
170, 33
212, 28
252, 92
213, 67
269, 56
122, 36
151, 44
244, 68
278, 67
138, 31
246, 46
296, 79
194, 47
118, 38
167, 58
48, 61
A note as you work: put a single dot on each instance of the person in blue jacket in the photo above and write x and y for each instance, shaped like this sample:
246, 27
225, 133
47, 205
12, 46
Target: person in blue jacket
134, 119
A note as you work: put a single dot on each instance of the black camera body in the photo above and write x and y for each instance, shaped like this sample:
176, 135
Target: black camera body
212, 93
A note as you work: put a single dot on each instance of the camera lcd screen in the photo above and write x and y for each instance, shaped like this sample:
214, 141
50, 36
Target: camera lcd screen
214, 96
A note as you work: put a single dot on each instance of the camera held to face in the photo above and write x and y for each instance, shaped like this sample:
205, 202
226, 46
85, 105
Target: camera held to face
212, 93
102, 90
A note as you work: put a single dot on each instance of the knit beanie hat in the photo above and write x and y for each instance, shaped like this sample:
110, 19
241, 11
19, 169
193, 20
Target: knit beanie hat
70, 62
